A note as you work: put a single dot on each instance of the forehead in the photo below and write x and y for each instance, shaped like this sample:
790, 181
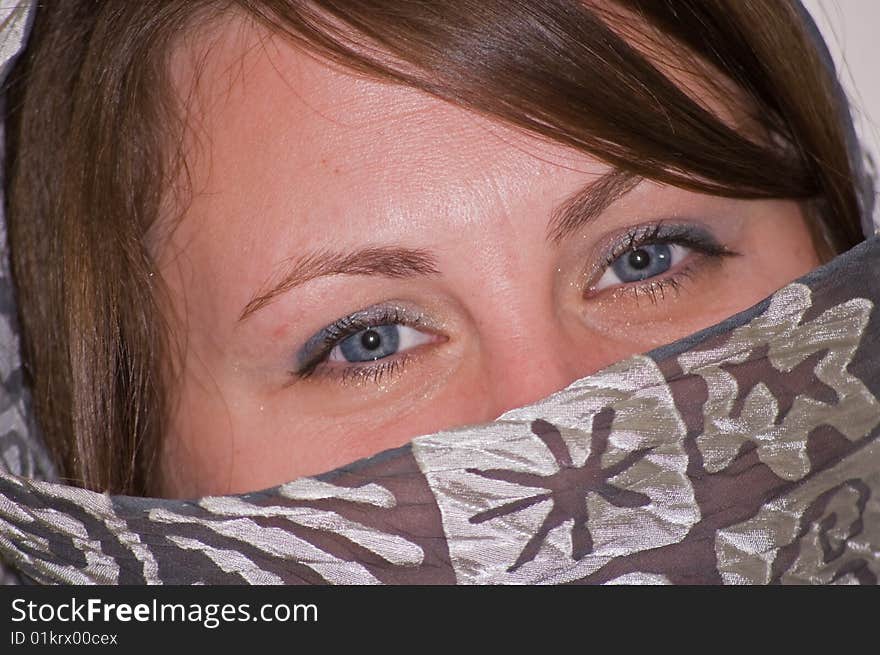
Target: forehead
232, 64
264, 118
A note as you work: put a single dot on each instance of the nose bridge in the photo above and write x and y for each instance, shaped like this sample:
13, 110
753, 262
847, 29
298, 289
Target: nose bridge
528, 361
528, 349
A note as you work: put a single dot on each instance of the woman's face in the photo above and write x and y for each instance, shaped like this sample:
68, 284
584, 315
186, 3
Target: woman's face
360, 263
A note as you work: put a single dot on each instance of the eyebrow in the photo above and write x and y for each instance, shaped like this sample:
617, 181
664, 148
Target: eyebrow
590, 201
398, 262
389, 261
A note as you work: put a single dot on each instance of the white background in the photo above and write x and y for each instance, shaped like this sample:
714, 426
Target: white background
852, 31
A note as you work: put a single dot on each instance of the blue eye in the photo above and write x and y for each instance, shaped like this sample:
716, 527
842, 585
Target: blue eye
375, 333
377, 342
641, 263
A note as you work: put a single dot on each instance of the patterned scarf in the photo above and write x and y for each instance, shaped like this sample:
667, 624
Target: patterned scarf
746, 453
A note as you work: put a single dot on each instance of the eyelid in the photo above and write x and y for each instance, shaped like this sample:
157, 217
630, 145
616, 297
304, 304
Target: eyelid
375, 372
678, 253
694, 236
318, 347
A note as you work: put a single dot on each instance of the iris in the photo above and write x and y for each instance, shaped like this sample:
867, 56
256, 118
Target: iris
643, 262
372, 344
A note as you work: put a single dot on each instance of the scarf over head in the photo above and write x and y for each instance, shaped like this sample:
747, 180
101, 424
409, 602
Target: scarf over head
746, 453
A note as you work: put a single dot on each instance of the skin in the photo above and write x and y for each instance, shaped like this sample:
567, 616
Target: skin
287, 156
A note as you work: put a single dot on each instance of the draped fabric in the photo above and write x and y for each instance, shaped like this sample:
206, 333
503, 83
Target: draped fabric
746, 453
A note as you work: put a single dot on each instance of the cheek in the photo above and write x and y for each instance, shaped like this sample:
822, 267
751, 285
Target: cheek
225, 442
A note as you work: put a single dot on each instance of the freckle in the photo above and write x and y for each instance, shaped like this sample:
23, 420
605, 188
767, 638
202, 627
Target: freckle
336, 170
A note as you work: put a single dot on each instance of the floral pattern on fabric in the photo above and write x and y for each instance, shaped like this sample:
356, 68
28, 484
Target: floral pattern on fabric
748, 453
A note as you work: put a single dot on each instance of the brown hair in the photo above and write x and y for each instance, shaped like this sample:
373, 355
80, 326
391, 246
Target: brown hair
94, 135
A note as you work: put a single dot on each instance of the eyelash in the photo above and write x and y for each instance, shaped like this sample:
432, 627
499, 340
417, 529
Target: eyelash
694, 238
335, 333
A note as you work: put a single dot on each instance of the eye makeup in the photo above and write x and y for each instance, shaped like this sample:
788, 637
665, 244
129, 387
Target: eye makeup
697, 239
312, 357
694, 245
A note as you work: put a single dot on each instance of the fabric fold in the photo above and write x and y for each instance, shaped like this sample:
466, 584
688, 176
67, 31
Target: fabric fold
747, 453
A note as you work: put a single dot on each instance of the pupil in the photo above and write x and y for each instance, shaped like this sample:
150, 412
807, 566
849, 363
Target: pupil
371, 340
639, 259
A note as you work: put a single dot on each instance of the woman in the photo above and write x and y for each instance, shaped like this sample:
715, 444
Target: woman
329, 264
